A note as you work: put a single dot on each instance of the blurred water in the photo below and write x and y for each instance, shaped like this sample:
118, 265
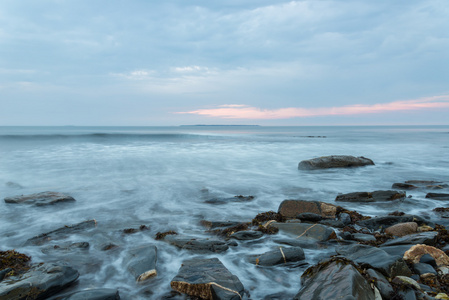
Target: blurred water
127, 176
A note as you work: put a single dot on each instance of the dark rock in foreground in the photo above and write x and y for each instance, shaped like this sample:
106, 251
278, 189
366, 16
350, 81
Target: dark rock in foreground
437, 196
376, 196
40, 199
39, 282
196, 244
292, 208
334, 279
207, 279
306, 231
141, 262
428, 238
334, 161
387, 221
93, 294
61, 232
279, 256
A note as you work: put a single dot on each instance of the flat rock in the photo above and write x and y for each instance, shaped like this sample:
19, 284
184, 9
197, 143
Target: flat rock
334, 280
306, 231
427, 238
290, 209
40, 282
387, 221
246, 235
334, 161
402, 229
309, 217
239, 198
403, 186
62, 232
282, 255
375, 258
207, 279
40, 199
92, 294
421, 268
376, 196
437, 196
198, 245
363, 237
141, 262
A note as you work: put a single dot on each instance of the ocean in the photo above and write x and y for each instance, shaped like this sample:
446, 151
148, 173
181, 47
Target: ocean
124, 177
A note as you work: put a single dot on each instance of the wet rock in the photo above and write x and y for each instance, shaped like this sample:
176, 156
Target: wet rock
333, 223
40, 199
291, 208
4, 272
335, 279
427, 238
334, 161
282, 255
218, 224
428, 259
363, 237
402, 229
387, 221
278, 296
375, 258
247, 235
92, 294
423, 182
141, 262
309, 244
345, 218
417, 251
68, 247
309, 217
62, 232
239, 198
376, 196
381, 283
13, 185
421, 269
403, 186
207, 279
196, 244
40, 282
437, 196
306, 231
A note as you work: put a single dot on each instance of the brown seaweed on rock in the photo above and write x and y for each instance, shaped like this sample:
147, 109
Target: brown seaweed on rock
18, 262
162, 235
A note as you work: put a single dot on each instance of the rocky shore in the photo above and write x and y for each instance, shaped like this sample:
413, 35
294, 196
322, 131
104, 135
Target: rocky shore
393, 256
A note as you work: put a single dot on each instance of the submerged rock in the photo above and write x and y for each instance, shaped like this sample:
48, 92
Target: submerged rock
39, 282
306, 231
197, 245
61, 232
207, 279
334, 279
40, 199
246, 235
334, 161
92, 294
279, 256
292, 208
141, 262
403, 186
376, 196
239, 198
437, 196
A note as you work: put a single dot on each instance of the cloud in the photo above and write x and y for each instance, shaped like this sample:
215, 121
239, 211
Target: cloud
248, 112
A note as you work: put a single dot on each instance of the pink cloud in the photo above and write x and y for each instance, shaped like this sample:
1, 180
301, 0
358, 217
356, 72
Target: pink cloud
238, 111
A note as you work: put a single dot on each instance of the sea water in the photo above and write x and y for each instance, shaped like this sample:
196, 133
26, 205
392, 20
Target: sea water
124, 177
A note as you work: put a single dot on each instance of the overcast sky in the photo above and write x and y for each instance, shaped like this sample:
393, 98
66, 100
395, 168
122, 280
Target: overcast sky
142, 62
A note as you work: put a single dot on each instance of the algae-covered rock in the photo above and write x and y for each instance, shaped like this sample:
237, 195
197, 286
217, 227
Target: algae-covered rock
334, 161
291, 208
207, 279
334, 279
40, 199
282, 255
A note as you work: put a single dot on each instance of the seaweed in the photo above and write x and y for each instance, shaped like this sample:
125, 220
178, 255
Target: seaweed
397, 213
18, 262
134, 230
442, 238
268, 229
267, 216
162, 235
230, 230
355, 216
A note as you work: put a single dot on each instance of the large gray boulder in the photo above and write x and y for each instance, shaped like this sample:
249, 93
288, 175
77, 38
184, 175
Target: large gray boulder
198, 245
141, 262
290, 209
40, 282
376, 196
40, 199
207, 279
334, 279
306, 231
282, 255
334, 161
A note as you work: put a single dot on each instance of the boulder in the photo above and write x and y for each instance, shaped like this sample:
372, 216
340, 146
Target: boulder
334, 279
402, 229
292, 208
40, 282
306, 231
387, 221
246, 235
375, 258
403, 186
334, 161
207, 279
417, 251
427, 238
197, 245
92, 294
376, 196
40, 199
141, 262
437, 196
62, 232
282, 255
381, 283
309, 217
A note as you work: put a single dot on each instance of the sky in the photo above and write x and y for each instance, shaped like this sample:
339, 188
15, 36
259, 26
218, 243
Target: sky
160, 63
